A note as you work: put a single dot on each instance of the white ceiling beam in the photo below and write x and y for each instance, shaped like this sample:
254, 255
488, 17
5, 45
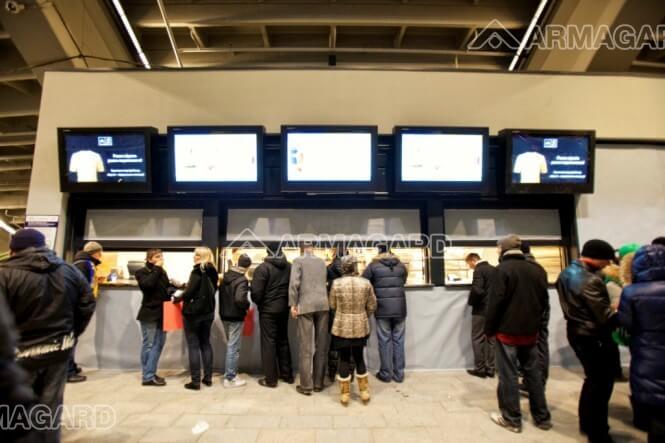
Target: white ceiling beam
17, 142
265, 36
273, 49
399, 38
196, 37
16, 167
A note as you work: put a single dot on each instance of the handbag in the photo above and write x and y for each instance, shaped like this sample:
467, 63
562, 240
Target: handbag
173, 320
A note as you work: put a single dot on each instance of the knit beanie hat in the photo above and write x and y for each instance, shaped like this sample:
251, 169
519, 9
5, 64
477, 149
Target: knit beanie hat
627, 249
244, 261
27, 238
508, 242
598, 249
91, 247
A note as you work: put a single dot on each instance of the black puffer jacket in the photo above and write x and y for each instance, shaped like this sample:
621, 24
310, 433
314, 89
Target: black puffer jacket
517, 297
199, 300
233, 295
49, 298
388, 276
482, 276
270, 285
156, 288
584, 301
85, 263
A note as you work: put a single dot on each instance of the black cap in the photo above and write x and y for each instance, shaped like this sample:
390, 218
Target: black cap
244, 261
598, 249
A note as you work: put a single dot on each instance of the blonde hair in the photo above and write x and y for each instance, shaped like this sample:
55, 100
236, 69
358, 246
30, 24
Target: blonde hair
205, 254
626, 265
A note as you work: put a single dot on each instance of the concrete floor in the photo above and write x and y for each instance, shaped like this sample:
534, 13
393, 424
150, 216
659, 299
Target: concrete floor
437, 406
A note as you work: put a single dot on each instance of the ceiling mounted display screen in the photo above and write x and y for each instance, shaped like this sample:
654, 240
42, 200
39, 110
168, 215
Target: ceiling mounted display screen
329, 158
440, 159
551, 161
216, 158
105, 159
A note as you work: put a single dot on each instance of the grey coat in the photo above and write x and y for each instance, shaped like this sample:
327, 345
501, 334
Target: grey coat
307, 286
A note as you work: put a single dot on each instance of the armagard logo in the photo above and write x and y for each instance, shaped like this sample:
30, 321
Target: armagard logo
494, 36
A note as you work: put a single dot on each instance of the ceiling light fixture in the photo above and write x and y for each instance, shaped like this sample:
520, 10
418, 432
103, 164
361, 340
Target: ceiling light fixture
527, 35
5, 226
128, 27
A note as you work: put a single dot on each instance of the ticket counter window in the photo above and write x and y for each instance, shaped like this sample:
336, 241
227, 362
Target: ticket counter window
457, 272
118, 267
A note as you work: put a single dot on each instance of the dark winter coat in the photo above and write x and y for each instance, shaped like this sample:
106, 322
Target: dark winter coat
334, 271
517, 297
480, 286
85, 263
585, 301
199, 295
642, 313
388, 276
270, 285
49, 298
233, 295
156, 288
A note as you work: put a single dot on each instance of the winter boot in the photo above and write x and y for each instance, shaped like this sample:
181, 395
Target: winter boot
344, 389
363, 386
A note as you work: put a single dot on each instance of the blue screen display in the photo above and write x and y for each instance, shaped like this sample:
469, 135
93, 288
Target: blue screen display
550, 160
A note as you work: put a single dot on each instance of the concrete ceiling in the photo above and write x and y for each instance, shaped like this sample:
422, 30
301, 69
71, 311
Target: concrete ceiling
401, 34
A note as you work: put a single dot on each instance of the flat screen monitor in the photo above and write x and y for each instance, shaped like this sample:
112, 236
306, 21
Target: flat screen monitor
216, 158
329, 158
105, 159
440, 159
549, 161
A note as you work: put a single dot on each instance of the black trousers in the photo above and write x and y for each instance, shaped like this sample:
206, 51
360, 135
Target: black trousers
48, 382
482, 345
595, 354
275, 351
345, 356
197, 334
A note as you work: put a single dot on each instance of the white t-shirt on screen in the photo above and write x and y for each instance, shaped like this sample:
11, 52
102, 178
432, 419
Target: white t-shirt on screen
530, 166
86, 164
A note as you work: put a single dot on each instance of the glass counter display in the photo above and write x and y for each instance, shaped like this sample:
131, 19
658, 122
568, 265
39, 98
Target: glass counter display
415, 259
118, 267
457, 272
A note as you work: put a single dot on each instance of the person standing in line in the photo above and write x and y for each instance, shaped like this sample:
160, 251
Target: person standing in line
353, 300
334, 272
156, 288
658, 241
198, 313
517, 299
270, 293
52, 305
642, 313
590, 319
482, 345
308, 300
233, 307
85, 261
388, 277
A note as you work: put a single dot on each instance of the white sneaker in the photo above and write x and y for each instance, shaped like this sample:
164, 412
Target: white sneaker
499, 420
235, 383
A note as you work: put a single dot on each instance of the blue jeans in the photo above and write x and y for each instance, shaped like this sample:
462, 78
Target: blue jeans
154, 338
507, 359
390, 334
233, 331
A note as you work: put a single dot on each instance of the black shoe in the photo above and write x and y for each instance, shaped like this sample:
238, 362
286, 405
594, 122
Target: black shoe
194, 386
207, 381
318, 388
263, 382
545, 425
160, 379
154, 382
398, 380
476, 373
382, 378
289, 380
76, 378
303, 391
489, 374
78, 369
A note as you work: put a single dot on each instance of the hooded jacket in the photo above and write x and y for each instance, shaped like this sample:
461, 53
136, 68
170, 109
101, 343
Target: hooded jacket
585, 301
388, 276
233, 295
87, 264
642, 313
517, 297
270, 285
50, 299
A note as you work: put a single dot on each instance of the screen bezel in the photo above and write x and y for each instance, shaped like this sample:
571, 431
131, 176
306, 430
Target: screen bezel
480, 187
239, 187
133, 187
547, 188
330, 186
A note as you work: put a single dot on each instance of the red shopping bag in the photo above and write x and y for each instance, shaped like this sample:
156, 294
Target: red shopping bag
172, 316
248, 327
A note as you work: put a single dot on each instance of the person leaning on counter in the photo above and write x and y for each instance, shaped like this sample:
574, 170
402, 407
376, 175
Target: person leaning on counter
156, 288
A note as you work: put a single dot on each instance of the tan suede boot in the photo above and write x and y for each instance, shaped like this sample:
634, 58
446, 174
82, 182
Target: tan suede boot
344, 389
363, 386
